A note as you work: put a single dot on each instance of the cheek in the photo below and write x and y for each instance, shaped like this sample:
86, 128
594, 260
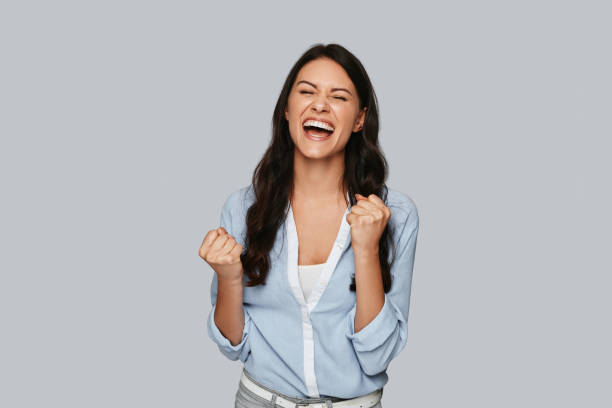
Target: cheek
346, 116
293, 111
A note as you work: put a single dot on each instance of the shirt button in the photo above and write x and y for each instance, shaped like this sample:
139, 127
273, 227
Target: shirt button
340, 245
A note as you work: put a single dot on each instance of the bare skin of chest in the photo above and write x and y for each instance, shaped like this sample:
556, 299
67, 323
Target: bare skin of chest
317, 230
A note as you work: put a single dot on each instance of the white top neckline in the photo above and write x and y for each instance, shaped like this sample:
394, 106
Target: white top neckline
311, 266
309, 276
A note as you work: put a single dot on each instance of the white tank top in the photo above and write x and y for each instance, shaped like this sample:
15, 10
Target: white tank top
309, 276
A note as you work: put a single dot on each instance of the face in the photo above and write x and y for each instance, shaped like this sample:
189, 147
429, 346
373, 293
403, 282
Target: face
323, 92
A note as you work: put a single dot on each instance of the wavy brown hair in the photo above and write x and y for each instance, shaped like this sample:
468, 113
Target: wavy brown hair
365, 169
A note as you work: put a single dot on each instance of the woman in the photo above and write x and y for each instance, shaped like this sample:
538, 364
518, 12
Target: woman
313, 261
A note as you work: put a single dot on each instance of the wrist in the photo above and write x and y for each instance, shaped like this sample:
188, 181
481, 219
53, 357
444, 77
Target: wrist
367, 252
230, 282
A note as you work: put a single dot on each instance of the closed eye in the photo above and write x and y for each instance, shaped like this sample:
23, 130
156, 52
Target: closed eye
337, 97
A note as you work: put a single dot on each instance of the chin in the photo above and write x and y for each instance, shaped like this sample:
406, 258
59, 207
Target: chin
314, 153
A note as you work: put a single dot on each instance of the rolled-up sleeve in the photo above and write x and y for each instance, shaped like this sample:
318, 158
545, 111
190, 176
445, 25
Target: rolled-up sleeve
385, 336
242, 349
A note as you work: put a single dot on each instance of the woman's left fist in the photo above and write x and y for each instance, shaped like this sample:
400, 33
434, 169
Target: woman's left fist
368, 219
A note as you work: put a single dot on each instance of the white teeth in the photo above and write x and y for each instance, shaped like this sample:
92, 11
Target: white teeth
319, 124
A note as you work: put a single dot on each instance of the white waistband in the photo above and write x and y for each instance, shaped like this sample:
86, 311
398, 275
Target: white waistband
365, 401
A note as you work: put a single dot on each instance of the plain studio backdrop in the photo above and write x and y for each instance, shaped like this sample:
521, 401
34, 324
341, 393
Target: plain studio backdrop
125, 125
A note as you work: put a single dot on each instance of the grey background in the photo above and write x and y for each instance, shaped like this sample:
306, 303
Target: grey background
125, 125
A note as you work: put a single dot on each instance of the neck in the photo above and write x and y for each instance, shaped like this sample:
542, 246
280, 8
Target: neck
319, 180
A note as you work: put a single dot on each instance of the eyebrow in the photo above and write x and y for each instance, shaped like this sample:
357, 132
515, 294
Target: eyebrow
333, 89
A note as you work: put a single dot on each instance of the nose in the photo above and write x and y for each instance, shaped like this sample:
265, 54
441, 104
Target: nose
320, 104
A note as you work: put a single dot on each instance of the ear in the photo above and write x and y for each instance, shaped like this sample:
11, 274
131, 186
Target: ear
286, 116
360, 120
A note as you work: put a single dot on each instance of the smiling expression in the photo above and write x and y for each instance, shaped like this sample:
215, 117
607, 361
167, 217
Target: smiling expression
323, 92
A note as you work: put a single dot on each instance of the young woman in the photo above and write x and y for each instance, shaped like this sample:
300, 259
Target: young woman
313, 260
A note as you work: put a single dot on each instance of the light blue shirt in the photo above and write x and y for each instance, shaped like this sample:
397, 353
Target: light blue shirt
308, 348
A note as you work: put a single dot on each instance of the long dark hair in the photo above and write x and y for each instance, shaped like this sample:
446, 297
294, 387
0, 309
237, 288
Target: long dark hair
365, 169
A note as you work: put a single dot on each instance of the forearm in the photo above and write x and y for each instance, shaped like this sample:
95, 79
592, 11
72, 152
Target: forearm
370, 295
229, 312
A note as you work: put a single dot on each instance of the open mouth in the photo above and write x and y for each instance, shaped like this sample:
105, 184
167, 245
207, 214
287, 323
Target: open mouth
317, 129
317, 132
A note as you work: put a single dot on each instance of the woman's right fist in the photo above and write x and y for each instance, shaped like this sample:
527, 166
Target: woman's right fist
221, 251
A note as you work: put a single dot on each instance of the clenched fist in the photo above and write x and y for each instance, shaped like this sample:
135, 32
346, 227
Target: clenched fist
221, 251
368, 219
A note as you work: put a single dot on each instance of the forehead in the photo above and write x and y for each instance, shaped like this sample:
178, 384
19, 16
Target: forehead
326, 73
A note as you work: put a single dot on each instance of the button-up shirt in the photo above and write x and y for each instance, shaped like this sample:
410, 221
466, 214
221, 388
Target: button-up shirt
309, 348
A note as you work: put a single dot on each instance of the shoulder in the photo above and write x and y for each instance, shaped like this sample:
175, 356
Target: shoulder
233, 213
404, 221
235, 209
239, 200
402, 206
